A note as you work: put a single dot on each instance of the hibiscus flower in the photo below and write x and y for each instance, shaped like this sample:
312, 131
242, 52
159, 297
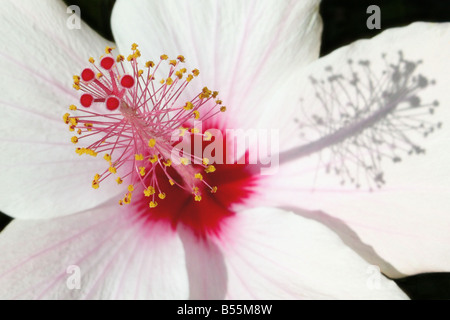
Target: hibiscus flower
257, 236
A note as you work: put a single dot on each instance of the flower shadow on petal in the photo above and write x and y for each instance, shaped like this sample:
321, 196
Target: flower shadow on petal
349, 237
359, 116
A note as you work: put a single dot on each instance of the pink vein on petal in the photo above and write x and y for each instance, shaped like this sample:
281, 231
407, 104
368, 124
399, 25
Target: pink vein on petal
38, 75
48, 249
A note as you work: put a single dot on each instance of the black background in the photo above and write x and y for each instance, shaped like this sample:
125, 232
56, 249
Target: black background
344, 22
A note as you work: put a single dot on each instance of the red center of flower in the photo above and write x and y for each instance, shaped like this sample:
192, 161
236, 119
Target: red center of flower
148, 132
203, 217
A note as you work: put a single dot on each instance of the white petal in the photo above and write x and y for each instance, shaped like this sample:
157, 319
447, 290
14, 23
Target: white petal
116, 254
206, 267
240, 47
41, 176
406, 221
274, 254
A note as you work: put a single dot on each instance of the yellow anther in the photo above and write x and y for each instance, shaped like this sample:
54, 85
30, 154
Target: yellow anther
153, 159
71, 128
119, 180
180, 58
223, 109
184, 161
171, 182
108, 49
195, 72
73, 121
195, 190
206, 93
195, 130
136, 54
140, 72
149, 64
179, 74
142, 171
151, 77
149, 191
95, 184
107, 157
134, 46
198, 176
130, 57
183, 70
91, 152
80, 151
112, 169
74, 139
66, 118
206, 90
189, 78
153, 204
120, 58
173, 62
215, 94
76, 79
219, 101
205, 161
138, 157
162, 81
162, 195
207, 136
168, 163
151, 143
73, 107
78, 131
131, 188
127, 199
169, 81
164, 57
96, 177
121, 202
210, 169
91, 60
76, 87
198, 197
99, 75
188, 106
196, 114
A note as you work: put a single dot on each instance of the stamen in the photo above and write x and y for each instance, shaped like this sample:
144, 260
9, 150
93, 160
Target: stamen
132, 120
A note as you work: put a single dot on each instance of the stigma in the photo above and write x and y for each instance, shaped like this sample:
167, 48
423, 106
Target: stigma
134, 118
